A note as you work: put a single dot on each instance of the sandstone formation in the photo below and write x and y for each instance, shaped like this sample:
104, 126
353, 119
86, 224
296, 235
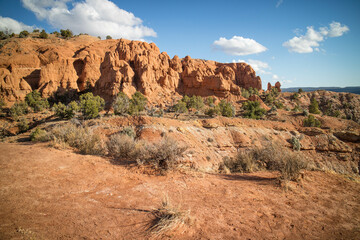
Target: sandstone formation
112, 66
277, 86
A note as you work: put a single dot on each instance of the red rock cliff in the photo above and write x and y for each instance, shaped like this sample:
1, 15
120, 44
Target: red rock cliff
111, 66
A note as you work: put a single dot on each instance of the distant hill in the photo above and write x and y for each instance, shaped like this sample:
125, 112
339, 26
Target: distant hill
355, 90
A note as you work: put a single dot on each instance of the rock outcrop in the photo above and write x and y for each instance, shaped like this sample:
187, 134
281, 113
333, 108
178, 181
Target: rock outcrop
277, 86
111, 66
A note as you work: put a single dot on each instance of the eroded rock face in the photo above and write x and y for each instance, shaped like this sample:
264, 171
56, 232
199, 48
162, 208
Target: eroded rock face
111, 66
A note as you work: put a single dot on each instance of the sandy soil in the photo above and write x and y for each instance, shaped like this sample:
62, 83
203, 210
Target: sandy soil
51, 194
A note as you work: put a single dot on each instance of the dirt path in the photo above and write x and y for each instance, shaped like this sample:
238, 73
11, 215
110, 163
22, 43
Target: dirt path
51, 194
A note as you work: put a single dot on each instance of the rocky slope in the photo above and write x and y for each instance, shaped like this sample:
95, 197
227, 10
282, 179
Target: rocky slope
110, 66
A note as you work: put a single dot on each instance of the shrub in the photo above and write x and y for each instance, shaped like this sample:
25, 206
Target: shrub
300, 90
253, 110
210, 101
128, 131
271, 157
36, 30
108, 37
35, 101
18, 109
226, 109
66, 33
245, 93
314, 107
79, 137
121, 104
167, 217
195, 102
213, 111
306, 113
66, 112
2, 104
121, 146
39, 135
23, 34
295, 143
3, 35
137, 103
43, 35
243, 162
180, 107
311, 121
91, 105
23, 125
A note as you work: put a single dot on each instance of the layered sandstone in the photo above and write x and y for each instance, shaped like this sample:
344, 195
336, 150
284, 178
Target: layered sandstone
112, 66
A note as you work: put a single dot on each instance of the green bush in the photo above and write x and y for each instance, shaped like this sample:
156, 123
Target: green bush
122, 147
43, 35
213, 111
226, 109
311, 121
295, 142
4, 35
137, 103
300, 90
245, 93
66, 112
195, 102
23, 125
180, 107
314, 107
121, 104
91, 105
210, 101
39, 135
66, 33
36, 102
18, 109
108, 37
253, 110
23, 34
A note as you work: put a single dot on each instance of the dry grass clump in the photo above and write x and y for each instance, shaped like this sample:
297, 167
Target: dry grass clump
77, 136
271, 157
167, 218
161, 156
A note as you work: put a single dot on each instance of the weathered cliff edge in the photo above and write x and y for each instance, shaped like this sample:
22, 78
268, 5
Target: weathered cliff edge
110, 66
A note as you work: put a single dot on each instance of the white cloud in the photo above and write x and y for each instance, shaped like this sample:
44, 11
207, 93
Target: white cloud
311, 40
279, 2
275, 77
13, 26
95, 17
238, 46
260, 67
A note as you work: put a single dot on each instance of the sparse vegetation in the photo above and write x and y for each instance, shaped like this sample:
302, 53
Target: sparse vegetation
311, 121
108, 37
66, 33
253, 110
137, 103
39, 135
79, 137
43, 35
271, 157
295, 142
91, 105
180, 107
314, 106
122, 147
23, 125
36, 102
226, 109
167, 218
66, 112
23, 34
18, 109
121, 104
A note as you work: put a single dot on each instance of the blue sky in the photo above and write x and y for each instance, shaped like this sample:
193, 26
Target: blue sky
301, 43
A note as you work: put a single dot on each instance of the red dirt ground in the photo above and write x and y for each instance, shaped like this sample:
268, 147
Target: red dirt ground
57, 194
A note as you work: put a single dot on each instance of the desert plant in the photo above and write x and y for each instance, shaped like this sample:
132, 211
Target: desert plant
36, 30
210, 101
66, 112
253, 110
66, 33
121, 104
137, 103
128, 131
226, 109
23, 34
79, 137
300, 90
23, 125
121, 146
167, 218
43, 34
245, 93
213, 111
314, 106
108, 37
91, 105
162, 156
39, 135
35, 101
18, 109
243, 162
305, 113
2, 104
311, 121
295, 142
180, 107
195, 102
